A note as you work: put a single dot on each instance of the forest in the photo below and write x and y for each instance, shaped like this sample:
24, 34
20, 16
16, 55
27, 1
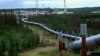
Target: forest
15, 37
70, 23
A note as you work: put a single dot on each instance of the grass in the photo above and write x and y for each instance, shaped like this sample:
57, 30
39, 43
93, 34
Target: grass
34, 54
43, 51
53, 52
97, 49
74, 54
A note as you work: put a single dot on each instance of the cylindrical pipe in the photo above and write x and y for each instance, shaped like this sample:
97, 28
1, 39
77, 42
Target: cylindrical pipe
89, 42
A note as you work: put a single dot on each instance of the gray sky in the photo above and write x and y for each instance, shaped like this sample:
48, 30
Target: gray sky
48, 3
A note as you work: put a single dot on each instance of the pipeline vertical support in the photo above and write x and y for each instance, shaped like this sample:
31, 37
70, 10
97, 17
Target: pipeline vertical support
61, 44
83, 31
84, 49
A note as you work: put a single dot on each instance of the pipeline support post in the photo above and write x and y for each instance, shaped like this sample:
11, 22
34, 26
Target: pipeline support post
83, 31
84, 49
61, 44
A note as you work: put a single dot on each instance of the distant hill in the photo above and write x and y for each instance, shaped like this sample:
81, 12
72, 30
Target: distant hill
75, 10
84, 10
81, 10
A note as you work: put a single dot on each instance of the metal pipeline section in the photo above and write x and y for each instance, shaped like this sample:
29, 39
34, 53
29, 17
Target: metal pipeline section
75, 44
50, 30
90, 41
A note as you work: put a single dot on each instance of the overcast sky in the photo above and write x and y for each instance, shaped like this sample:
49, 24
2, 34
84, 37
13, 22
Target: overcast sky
48, 3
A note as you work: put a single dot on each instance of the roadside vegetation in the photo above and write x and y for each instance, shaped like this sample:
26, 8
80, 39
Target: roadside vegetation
15, 37
69, 23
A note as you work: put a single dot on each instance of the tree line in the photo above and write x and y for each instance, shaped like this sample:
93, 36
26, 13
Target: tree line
70, 23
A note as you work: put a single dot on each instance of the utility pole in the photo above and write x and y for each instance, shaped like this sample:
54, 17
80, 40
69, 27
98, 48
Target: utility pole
43, 3
83, 31
36, 3
65, 7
